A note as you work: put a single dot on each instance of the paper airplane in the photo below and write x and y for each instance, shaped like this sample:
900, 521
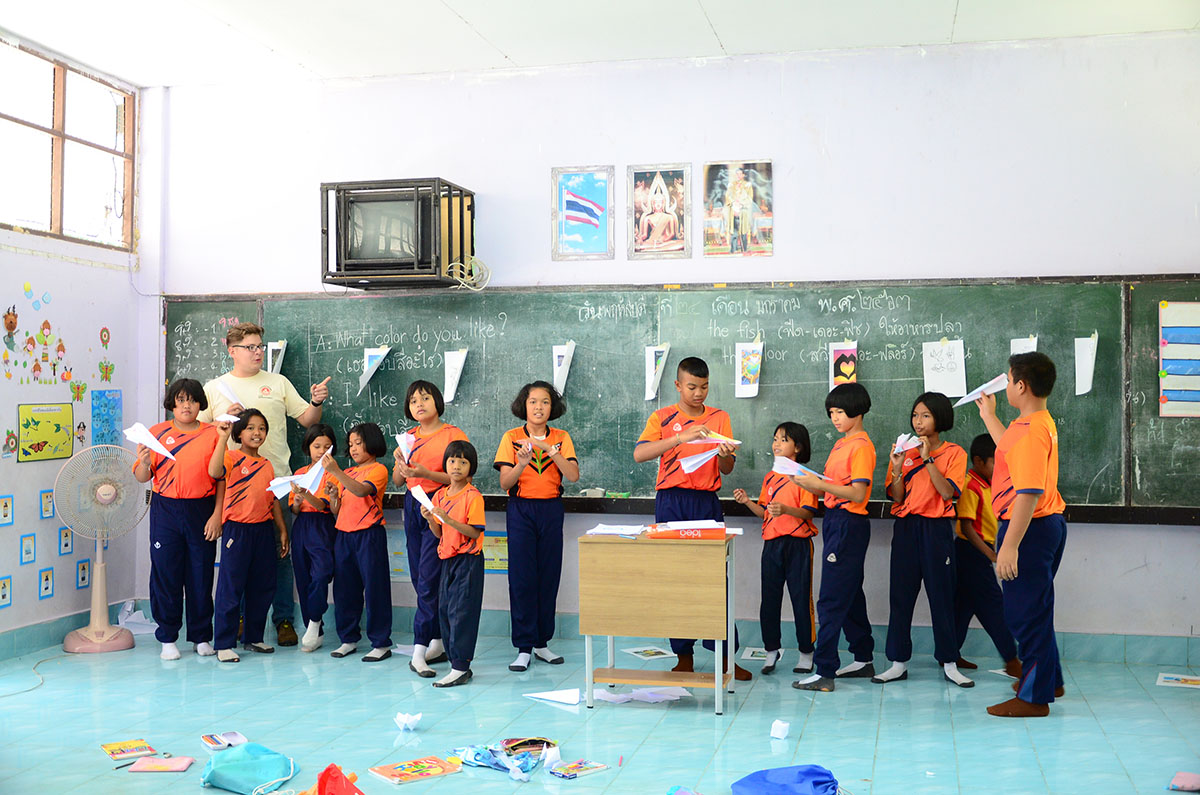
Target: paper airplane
715, 438
570, 696
779, 729
789, 466
454, 367
140, 434
372, 358
405, 440
693, 462
226, 390
990, 388
407, 722
562, 356
420, 496
225, 418
906, 441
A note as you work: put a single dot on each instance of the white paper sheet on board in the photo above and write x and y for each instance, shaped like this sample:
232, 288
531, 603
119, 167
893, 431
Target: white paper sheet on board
748, 357
454, 367
944, 366
656, 362
372, 358
562, 356
275, 352
1085, 362
1022, 344
693, 462
405, 440
140, 434
990, 388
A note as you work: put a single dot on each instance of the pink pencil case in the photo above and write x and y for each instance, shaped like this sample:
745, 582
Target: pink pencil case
155, 764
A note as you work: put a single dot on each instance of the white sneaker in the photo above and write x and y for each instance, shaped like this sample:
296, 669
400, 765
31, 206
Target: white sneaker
312, 639
205, 649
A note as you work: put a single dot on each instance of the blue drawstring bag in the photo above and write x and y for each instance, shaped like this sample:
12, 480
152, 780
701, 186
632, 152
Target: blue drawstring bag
249, 769
795, 780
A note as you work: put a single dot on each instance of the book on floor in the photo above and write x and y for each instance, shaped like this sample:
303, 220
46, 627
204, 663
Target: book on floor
583, 767
129, 749
415, 770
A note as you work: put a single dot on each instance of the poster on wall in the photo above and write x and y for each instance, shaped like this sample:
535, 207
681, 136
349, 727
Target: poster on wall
495, 551
1179, 359
45, 431
581, 218
659, 212
106, 417
739, 209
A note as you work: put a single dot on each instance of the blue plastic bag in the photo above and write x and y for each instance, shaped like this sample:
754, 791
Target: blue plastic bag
249, 769
795, 780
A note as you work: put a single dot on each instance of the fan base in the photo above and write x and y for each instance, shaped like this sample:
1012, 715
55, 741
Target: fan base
88, 641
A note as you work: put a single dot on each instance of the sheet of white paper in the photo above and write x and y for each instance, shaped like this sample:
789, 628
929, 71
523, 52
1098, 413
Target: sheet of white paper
454, 367
604, 694
906, 441
656, 362
990, 388
754, 653
402, 649
1001, 672
693, 462
405, 441
617, 530
945, 368
651, 697
225, 418
569, 696
420, 496
406, 721
694, 524
747, 357
275, 352
1022, 344
790, 466
1085, 362
779, 729
561, 356
140, 434
372, 358
673, 692
226, 390
551, 756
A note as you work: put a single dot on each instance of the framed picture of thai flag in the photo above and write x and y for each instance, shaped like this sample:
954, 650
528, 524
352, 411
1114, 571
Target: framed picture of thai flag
582, 217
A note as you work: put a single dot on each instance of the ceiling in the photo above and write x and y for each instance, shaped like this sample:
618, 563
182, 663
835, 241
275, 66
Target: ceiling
187, 42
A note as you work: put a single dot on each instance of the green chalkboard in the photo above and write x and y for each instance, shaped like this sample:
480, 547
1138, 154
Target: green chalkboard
1164, 451
195, 332
509, 334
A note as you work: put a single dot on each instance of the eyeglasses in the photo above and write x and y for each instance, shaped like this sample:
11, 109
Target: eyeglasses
251, 348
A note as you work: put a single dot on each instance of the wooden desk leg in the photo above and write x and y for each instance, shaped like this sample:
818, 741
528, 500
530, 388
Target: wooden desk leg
731, 647
589, 668
719, 690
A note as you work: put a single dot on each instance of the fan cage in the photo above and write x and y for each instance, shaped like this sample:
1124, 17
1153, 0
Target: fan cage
79, 480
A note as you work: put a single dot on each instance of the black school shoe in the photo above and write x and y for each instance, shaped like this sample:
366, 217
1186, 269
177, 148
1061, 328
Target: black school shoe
866, 672
462, 680
387, 654
428, 673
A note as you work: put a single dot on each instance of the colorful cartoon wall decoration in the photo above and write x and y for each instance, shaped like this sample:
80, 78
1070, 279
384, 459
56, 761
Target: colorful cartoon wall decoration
106, 417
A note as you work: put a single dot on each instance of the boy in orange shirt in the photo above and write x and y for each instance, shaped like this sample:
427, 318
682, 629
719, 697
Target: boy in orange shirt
1026, 501
688, 496
841, 603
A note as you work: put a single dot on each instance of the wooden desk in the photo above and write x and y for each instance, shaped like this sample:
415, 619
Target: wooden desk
641, 587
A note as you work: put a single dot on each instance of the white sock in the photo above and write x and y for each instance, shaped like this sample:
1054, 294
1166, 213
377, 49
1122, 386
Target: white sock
852, 667
805, 661
895, 672
522, 660
205, 649
418, 658
808, 680
772, 658
169, 651
435, 649
452, 676
544, 653
953, 674
311, 634
375, 654
346, 648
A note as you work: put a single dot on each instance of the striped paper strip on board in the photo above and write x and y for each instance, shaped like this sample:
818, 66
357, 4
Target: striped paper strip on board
1179, 359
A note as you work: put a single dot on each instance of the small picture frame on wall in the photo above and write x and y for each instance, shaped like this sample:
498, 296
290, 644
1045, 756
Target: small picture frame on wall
659, 212
83, 574
6, 590
739, 209
581, 218
45, 583
7, 510
28, 549
46, 503
66, 541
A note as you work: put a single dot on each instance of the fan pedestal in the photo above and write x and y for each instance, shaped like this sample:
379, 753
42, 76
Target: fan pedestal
98, 636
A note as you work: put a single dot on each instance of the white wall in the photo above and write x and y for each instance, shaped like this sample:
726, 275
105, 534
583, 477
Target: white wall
1039, 158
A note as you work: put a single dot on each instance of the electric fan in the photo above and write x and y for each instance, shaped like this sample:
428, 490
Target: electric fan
98, 498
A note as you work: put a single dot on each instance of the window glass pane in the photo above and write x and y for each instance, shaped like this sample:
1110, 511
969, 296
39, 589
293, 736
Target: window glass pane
26, 86
24, 176
93, 194
95, 112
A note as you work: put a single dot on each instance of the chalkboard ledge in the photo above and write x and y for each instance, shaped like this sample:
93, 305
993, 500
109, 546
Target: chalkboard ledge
1081, 514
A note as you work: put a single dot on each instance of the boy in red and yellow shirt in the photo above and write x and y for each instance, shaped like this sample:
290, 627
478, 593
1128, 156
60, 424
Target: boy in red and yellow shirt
1026, 501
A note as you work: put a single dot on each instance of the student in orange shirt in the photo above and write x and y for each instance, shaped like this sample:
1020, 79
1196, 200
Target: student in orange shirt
424, 405
1026, 501
787, 512
360, 557
313, 538
533, 461
976, 592
457, 520
252, 521
684, 496
185, 520
923, 483
841, 603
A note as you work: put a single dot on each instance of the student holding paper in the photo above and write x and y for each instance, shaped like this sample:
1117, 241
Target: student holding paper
313, 536
841, 603
185, 520
424, 405
1026, 501
672, 434
360, 556
787, 512
533, 460
923, 483
248, 385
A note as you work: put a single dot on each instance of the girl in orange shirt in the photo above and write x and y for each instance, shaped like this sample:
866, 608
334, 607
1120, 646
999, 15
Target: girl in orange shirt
312, 538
